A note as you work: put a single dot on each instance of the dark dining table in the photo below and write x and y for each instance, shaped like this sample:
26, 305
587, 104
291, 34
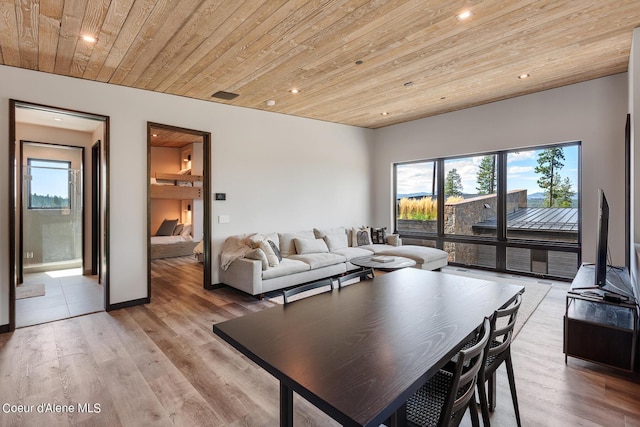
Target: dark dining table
358, 353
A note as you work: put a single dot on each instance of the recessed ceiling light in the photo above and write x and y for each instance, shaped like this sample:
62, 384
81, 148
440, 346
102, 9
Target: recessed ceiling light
294, 91
523, 76
88, 38
384, 113
359, 62
408, 84
154, 135
270, 103
443, 97
465, 14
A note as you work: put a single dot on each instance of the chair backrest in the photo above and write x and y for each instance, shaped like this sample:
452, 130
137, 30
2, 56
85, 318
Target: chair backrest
501, 332
366, 274
286, 294
468, 363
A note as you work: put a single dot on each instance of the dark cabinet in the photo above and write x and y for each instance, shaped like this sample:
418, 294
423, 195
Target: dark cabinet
598, 330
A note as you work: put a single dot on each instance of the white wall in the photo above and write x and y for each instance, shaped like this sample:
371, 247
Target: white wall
593, 112
279, 172
634, 111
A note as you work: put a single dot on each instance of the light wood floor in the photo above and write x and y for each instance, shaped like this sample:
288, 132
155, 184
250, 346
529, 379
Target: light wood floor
161, 364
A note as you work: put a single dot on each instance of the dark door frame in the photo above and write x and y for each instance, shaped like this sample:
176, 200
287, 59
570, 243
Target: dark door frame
96, 229
13, 171
206, 185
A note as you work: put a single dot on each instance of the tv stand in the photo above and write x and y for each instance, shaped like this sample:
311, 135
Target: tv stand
599, 329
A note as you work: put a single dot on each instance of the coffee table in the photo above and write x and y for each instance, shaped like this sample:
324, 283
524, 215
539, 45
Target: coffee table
369, 261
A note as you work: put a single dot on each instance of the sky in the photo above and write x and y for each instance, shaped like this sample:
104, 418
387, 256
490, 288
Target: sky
49, 178
416, 177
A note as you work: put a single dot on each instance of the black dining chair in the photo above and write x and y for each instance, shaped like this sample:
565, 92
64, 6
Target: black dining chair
288, 293
366, 274
444, 399
498, 351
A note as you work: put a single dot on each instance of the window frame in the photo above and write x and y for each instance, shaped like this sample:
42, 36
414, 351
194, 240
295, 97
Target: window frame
67, 163
501, 241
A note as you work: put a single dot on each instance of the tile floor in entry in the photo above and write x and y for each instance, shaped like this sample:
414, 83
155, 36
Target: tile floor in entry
67, 294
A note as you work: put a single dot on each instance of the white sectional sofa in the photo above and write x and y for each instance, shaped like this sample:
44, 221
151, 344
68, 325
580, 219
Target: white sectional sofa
307, 256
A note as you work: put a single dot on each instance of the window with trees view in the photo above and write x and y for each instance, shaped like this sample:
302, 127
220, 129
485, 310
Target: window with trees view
49, 184
510, 210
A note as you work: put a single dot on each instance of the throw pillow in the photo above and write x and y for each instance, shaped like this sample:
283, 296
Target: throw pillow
379, 235
276, 251
167, 227
336, 241
268, 251
258, 254
361, 236
310, 246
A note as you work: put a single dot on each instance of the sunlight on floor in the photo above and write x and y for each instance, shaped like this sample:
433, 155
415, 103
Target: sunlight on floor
64, 273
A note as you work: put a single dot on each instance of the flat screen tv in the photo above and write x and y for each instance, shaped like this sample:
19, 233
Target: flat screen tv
601, 241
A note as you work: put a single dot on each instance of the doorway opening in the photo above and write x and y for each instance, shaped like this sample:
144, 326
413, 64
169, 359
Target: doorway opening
178, 206
58, 214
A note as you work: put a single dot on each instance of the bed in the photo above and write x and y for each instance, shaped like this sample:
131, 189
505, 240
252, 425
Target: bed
178, 242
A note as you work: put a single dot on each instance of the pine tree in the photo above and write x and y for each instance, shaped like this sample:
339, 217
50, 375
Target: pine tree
549, 163
453, 183
564, 194
487, 175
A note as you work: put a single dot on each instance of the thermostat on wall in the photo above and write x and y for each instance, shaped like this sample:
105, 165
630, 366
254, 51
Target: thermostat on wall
221, 196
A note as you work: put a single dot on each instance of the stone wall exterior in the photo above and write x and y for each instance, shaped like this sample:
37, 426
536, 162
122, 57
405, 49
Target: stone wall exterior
459, 218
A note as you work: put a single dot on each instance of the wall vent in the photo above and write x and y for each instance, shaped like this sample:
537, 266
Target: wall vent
225, 95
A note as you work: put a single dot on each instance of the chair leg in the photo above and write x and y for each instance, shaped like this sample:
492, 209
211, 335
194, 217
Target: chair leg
473, 409
492, 391
484, 405
512, 386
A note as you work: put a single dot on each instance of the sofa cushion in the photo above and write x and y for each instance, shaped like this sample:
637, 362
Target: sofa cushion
336, 241
319, 259
287, 246
310, 246
420, 254
376, 247
287, 266
321, 232
350, 253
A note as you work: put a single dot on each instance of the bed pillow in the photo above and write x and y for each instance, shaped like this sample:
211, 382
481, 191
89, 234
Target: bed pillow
167, 227
186, 230
258, 254
310, 246
336, 241
178, 230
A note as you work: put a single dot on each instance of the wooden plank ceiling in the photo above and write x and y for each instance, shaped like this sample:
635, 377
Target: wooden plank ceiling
352, 61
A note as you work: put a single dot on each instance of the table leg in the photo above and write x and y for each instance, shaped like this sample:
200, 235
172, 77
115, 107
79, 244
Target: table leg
286, 406
399, 418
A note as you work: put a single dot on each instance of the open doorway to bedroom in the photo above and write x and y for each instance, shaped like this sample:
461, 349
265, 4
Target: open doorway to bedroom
58, 214
178, 208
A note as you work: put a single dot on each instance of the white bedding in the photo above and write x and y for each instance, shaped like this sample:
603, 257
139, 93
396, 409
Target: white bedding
164, 240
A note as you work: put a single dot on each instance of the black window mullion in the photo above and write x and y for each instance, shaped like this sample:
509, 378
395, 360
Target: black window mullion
501, 212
